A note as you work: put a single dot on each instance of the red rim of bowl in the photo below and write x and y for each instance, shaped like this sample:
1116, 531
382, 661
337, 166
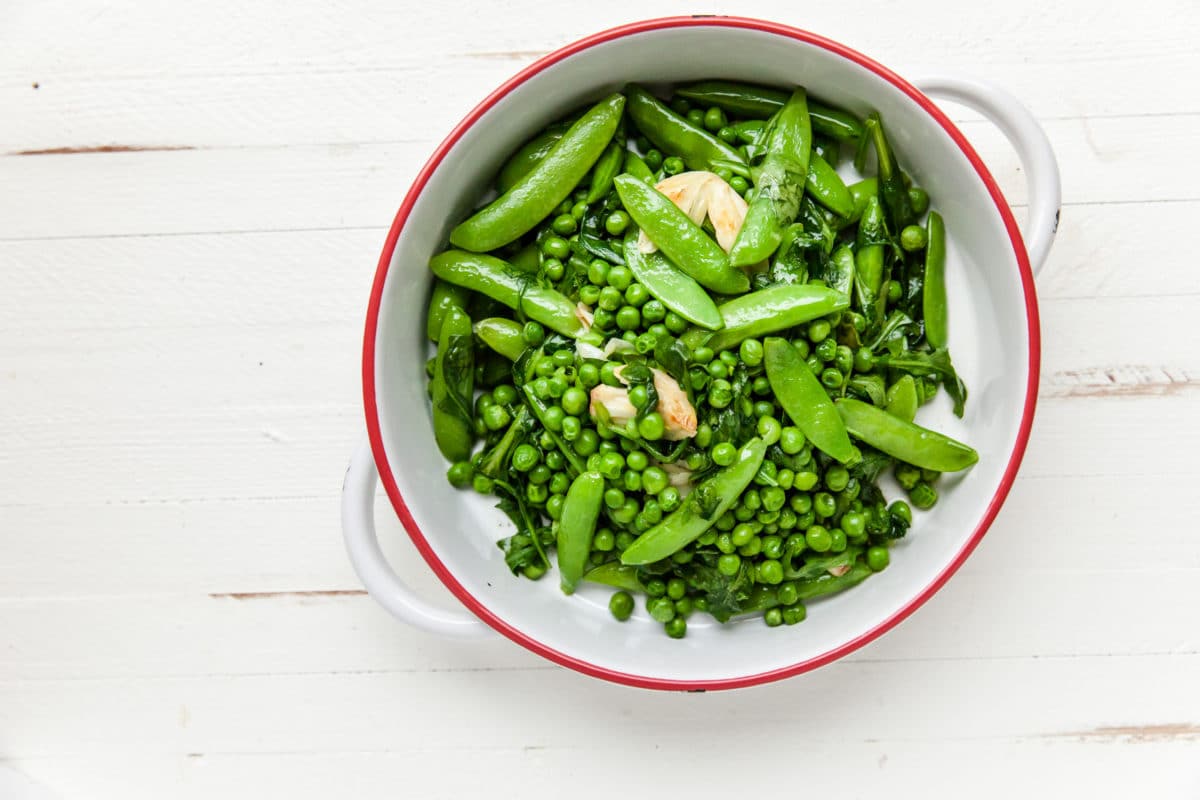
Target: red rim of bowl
368, 364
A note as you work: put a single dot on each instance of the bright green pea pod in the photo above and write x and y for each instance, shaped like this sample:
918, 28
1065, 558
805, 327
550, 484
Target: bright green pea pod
779, 183
869, 263
806, 401
636, 167
670, 285
841, 270
527, 259
774, 309
747, 100
906, 441
502, 335
616, 575
902, 400
680, 239
860, 193
748, 132
528, 157
675, 135
445, 297
892, 190
498, 280
605, 170
936, 327
580, 510
551, 181
699, 510
453, 387
827, 584
827, 187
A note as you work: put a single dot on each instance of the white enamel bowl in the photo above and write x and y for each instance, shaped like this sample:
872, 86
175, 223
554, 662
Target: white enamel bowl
994, 339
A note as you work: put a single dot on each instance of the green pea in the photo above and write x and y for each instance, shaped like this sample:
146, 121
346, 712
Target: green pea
651, 510
525, 457
559, 483
714, 119
864, 360
654, 480
923, 495
772, 546
608, 447
785, 477
628, 318
901, 509
461, 473
652, 427
572, 428
722, 454
564, 224
773, 617
619, 278
802, 347
843, 359
794, 614
837, 478
673, 165
824, 505
603, 540
739, 184
614, 498
653, 159
610, 299
659, 330
787, 594
668, 499
761, 385
653, 311
656, 587
791, 440
826, 349
631, 481
621, 605
720, 394
831, 378
751, 352
878, 558
624, 539
482, 484
675, 323
913, 238
597, 272
574, 400
556, 247
770, 572
611, 465
854, 524
496, 417
773, 498
587, 442
818, 330
608, 374
616, 223
602, 319
918, 198
702, 355
729, 564
676, 627
817, 538
725, 543
837, 540
894, 291
805, 480
718, 369
728, 135
637, 295
676, 588
684, 605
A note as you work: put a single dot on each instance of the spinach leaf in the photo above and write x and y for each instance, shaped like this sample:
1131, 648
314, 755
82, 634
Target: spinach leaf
936, 363
725, 594
494, 462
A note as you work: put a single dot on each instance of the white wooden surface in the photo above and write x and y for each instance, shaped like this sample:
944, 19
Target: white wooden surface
192, 199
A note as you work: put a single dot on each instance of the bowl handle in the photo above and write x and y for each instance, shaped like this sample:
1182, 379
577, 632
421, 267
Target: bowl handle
1031, 144
358, 527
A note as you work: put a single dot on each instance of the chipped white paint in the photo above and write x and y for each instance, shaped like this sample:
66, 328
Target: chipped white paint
179, 386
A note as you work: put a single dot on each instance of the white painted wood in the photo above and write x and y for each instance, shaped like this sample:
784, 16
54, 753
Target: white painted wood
179, 393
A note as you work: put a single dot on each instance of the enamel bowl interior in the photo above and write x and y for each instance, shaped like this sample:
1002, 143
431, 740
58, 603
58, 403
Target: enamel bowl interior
989, 341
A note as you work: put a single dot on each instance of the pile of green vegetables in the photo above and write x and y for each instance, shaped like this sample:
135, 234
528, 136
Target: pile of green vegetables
702, 424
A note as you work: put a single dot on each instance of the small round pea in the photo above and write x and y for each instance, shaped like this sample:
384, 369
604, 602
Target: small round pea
894, 291
826, 349
653, 311
461, 473
602, 319
742, 534
696, 461
673, 165
652, 426
913, 238
676, 627
675, 323
610, 299
656, 587
773, 617
843, 360
654, 480
723, 454
818, 330
631, 481
680, 106
659, 330
564, 224
482, 484
597, 272
751, 352
653, 159
817, 538
824, 504
611, 465
878, 558
496, 417
729, 563
770, 571
554, 504
556, 247
559, 483
837, 478
619, 278
802, 347
696, 117
579, 210
854, 523
637, 461
837, 540
831, 378
773, 498
553, 269
923, 495
504, 394
614, 498
791, 440
702, 355
533, 334
616, 222
587, 442
794, 614
739, 184
720, 394
669, 499
637, 295
574, 400
718, 369
901, 509
714, 119
555, 387
621, 605
525, 457
572, 428
662, 609
769, 429
864, 360
676, 588
639, 395
629, 318
918, 198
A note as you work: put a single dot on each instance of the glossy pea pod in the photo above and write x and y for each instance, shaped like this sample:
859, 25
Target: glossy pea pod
606, 169
903, 440
779, 183
635, 166
675, 135
841, 270
806, 401
764, 597
747, 100
535, 195
825, 185
616, 575
498, 280
774, 309
902, 400
453, 386
445, 296
869, 262
671, 286
680, 239
576, 526
934, 299
700, 510
892, 190
502, 335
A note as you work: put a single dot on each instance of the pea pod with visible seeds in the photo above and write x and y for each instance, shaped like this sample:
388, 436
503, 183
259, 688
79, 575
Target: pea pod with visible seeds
779, 183
671, 286
453, 386
902, 400
502, 335
498, 280
935, 304
905, 441
528, 157
445, 297
534, 196
580, 510
700, 510
806, 401
616, 575
682, 240
674, 135
746, 100
774, 309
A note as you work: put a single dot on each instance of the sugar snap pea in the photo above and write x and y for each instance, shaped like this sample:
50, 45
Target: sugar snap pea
869, 262
892, 190
453, 385
699, 510
498, 280
774, 309
779, 183
445, 297
760, 101
934, 302
535, 195
902, 401
502, 335
674, 135
617, 575
860, 192
827, 187
576, 526
764, 597
606, 169
682, 240
805, 400
906, 441
673, 288
636, 167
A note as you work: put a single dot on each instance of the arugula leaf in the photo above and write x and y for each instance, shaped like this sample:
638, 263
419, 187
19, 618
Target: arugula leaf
529, 543
893, 332
868, 470
494, 462
936, 363
725, 595
870, 387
